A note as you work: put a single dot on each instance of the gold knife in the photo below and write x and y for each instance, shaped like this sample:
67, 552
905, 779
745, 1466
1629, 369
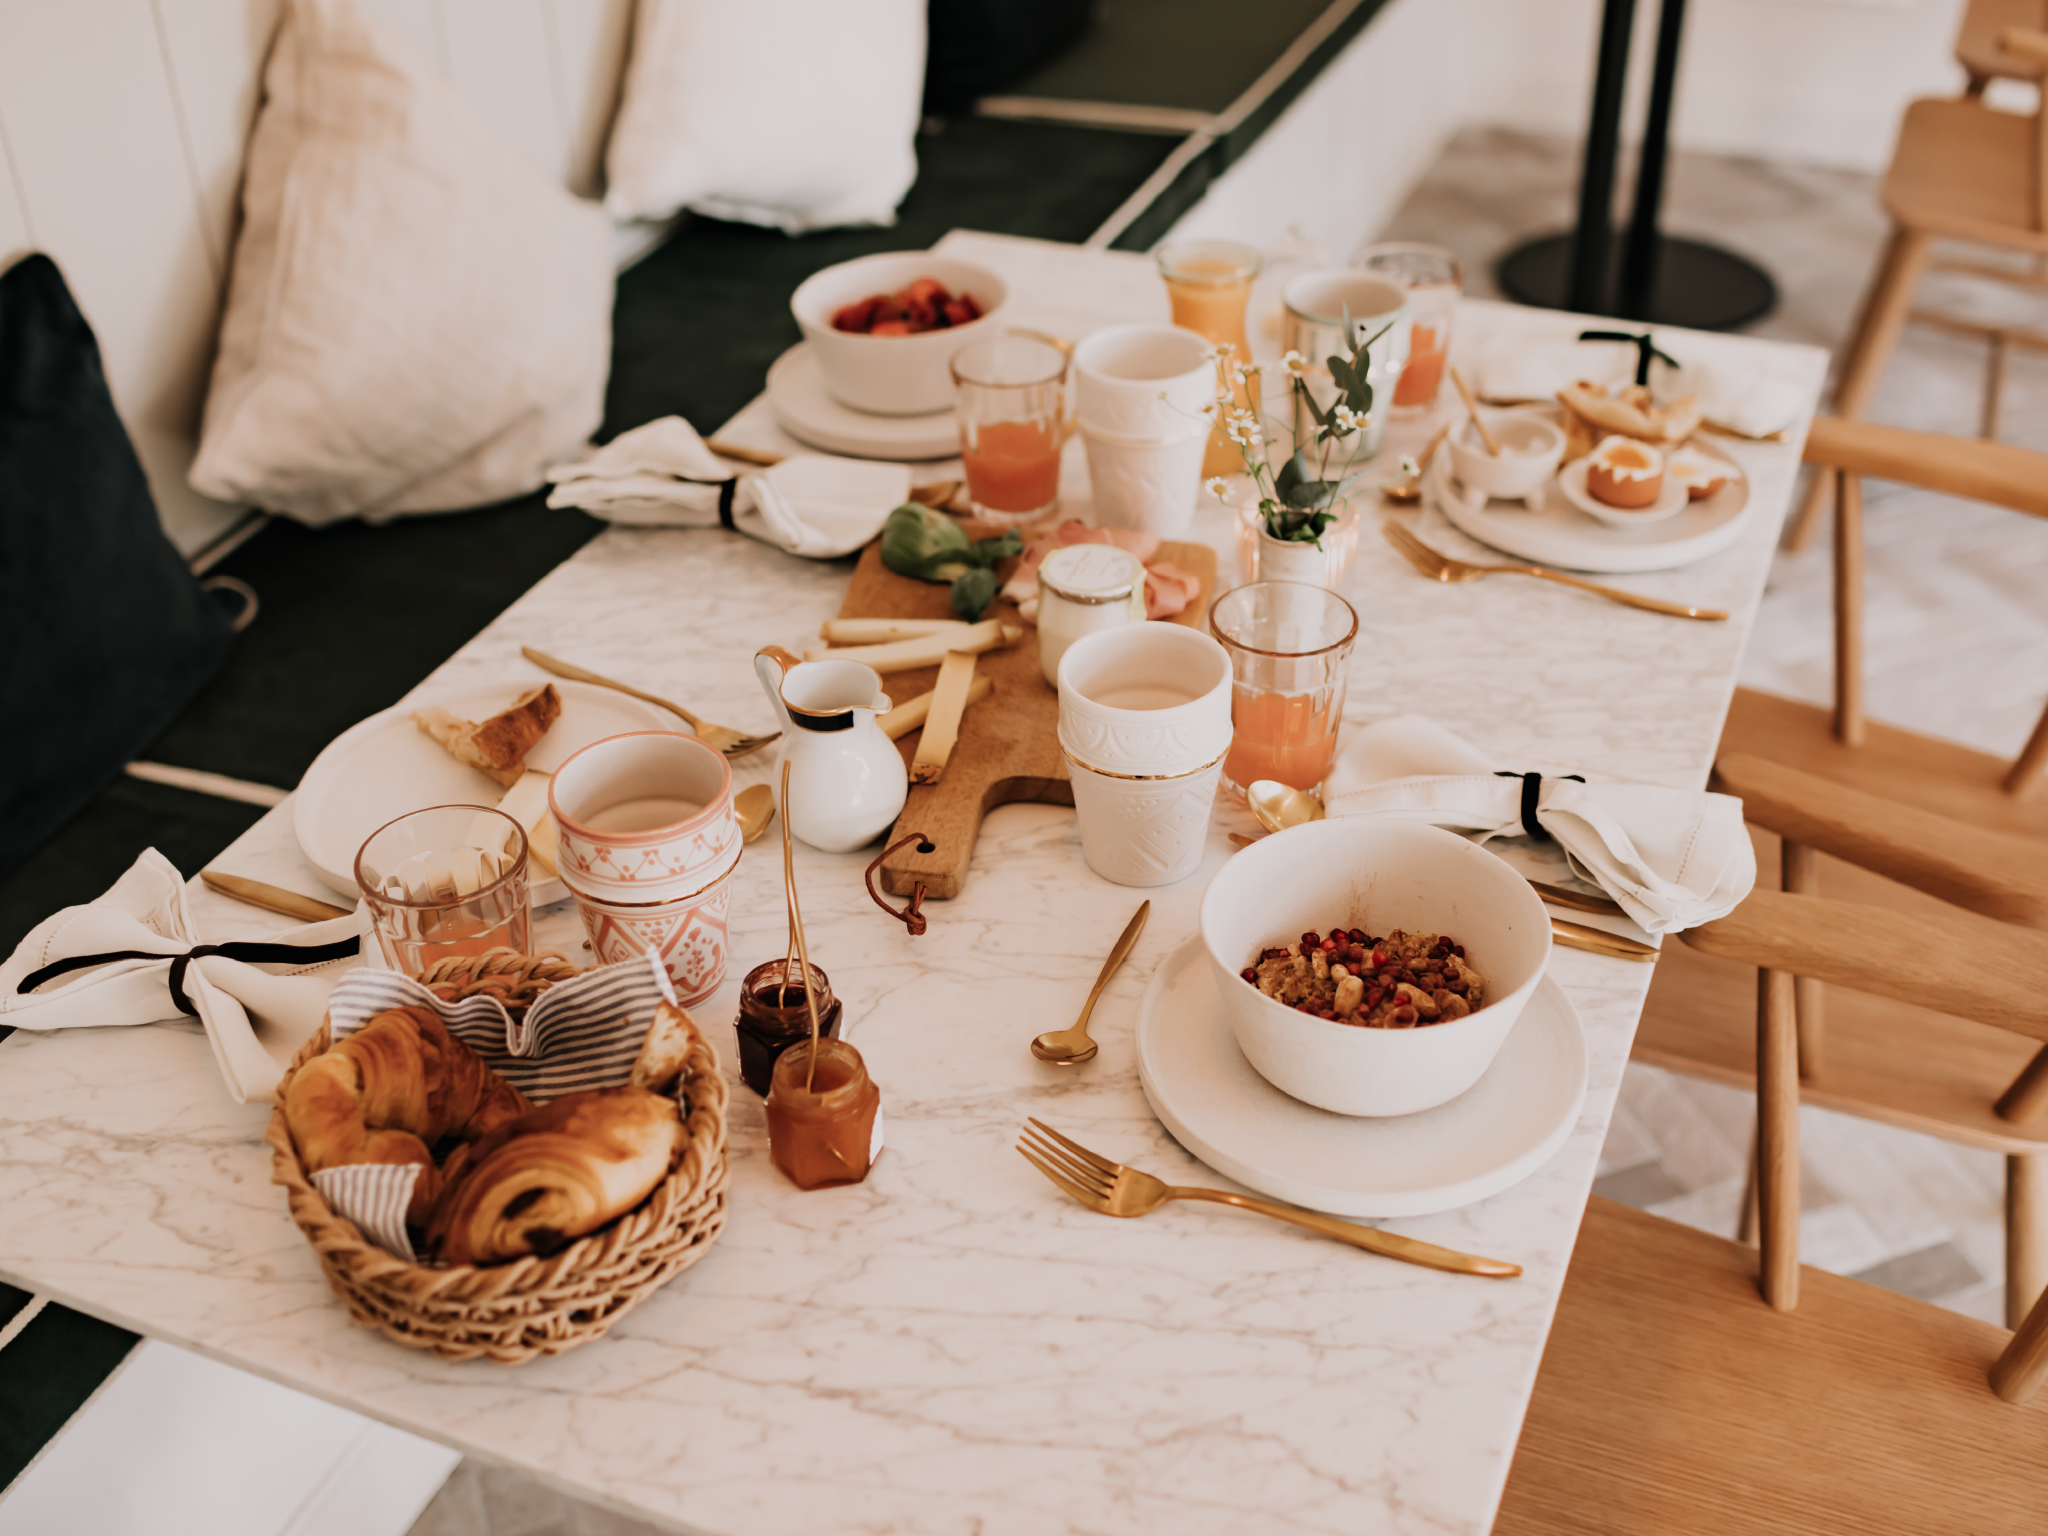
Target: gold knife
271, 898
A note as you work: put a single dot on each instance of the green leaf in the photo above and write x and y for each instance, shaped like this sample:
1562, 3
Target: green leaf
973, 591
1000, 547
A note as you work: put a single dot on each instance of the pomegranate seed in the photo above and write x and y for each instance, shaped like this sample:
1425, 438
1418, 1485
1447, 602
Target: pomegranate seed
1311, 939
1359, 936
1250, 975
1329, 946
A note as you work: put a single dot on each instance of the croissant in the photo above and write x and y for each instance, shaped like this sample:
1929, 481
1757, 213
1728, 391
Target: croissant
563, 1170
390, 1093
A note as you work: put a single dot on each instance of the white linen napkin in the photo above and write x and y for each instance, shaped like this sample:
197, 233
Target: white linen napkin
257, 998
662, 475
1752, 395
1673, 859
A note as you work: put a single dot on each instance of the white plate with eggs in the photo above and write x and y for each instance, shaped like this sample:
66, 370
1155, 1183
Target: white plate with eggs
1550, 529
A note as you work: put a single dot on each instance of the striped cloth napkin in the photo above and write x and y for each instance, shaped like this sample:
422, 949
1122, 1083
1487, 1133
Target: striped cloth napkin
580, 1034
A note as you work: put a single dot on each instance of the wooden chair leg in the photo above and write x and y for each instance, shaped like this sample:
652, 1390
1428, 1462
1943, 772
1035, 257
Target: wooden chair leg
1800, 870
2027, 771
1746, 1224
1777, 1139
2024, 1366
1994, 386
1870, 347
1849, 608
2027, 1099
2026, 1234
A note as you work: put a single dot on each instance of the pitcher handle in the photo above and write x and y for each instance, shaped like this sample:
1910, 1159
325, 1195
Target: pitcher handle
771, 665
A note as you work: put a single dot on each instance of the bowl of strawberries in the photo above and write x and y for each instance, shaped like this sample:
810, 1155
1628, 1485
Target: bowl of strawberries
885, 327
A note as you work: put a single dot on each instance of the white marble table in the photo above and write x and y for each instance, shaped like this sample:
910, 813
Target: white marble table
951, 1346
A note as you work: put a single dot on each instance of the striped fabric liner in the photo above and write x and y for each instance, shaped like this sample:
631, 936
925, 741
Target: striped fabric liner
584, 1033
373, 1196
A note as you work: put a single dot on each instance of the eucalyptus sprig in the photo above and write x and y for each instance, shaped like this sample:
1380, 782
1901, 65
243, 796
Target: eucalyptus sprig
1298, 498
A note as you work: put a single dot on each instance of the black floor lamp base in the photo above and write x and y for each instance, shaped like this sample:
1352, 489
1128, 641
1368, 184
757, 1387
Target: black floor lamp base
1700, 286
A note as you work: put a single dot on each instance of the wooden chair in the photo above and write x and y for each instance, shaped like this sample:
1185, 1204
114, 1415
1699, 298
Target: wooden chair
1961, 171
1671, 1400
1980, 48
1885, 817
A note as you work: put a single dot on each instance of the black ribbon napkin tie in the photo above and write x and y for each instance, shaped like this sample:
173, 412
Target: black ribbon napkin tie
239, 949
1532, 786
1645, 349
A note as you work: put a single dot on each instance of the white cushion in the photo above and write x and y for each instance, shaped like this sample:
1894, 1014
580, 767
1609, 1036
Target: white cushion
418, 319
797, 114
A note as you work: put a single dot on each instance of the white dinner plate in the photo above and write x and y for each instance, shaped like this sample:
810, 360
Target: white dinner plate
380, 768
1495, 1134
796, 388
1551, 531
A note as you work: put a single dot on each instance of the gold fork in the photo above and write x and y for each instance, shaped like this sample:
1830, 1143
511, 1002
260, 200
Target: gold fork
1115, 1190
720, 738
1441, 567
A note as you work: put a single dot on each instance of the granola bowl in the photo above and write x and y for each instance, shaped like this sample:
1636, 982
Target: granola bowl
1380, 876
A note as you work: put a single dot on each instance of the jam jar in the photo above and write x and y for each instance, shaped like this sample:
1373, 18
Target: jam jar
831, 1131
773, 1018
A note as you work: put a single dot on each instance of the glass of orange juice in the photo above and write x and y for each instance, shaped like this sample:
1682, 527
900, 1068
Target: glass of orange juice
1290, 649
1434, 279
1010, 393
1209, 285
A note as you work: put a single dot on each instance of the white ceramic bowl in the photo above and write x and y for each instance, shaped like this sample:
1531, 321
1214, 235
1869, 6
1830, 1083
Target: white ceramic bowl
1378, 875
1145, 700
1530, 447
1671, 500
893, 375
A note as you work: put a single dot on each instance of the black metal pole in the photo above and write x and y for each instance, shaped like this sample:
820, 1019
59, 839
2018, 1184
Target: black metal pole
1640, 250
1595, 234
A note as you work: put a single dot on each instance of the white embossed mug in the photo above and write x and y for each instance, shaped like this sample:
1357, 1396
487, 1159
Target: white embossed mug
644, 817
1144, 383
1144, 724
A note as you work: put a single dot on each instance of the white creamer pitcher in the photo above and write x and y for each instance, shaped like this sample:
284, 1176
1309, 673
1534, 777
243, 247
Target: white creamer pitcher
847, 782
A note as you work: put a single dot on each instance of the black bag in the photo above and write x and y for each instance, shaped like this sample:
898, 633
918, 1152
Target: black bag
105, 635
977, 47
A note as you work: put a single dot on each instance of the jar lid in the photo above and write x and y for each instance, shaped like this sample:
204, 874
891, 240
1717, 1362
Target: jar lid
1091, 573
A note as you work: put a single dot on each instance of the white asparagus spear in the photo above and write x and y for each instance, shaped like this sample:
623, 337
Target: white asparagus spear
910, 714
927, 650
879, 631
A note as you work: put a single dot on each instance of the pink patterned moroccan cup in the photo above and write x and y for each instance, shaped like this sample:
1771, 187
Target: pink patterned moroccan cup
689, 934
644, 817
648, 842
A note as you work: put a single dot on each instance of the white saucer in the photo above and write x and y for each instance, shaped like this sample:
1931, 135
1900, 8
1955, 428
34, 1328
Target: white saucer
1551, 531
1671, 499
796, 388
1493, 1135
380, 768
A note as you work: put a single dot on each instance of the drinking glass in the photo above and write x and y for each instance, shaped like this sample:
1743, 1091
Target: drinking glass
450, 880
1010, 393
1289, 645
1434, 280
1209, 286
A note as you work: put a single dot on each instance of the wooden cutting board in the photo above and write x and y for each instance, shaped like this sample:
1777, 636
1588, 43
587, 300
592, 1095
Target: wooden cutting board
1009, 746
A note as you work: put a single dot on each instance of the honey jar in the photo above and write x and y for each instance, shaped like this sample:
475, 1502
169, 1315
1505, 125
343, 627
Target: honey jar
831, 1131
774, 1017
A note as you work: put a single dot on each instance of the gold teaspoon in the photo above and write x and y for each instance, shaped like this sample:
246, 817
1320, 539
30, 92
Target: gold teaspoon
1071, 1047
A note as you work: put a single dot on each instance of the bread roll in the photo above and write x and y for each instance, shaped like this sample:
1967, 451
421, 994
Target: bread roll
390, 1093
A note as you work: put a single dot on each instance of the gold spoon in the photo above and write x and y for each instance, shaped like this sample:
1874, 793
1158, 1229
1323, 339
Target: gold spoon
1279, 806
1071, 1047
755, 808
1407, 492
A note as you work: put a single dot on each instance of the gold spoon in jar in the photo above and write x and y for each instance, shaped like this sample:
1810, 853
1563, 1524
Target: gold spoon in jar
1071, 1047
755, 808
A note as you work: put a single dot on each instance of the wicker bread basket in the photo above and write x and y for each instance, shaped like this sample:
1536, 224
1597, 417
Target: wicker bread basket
514, 1311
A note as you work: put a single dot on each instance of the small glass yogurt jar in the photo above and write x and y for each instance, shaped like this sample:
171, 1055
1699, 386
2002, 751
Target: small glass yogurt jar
1083, 588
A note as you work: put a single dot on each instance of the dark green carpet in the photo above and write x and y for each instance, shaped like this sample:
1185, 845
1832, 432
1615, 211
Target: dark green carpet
1198, 54
51, 1368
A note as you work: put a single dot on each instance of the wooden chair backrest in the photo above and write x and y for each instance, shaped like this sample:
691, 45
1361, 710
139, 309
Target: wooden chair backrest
2032, 46
1957, 963
1969, 467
